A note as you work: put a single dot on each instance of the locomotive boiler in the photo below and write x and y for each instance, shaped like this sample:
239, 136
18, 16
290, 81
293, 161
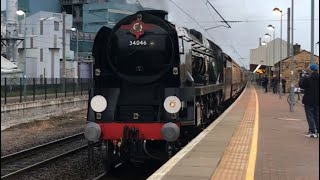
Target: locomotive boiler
156, 85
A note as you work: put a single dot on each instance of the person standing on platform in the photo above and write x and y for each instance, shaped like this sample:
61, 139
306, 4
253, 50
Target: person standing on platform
265, 81
274, 84
310, 84
284, 82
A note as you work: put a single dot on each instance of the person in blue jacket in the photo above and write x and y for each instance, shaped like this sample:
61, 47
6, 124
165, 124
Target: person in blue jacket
310, 84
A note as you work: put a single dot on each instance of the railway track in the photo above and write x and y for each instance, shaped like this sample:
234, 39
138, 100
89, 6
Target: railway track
19, 162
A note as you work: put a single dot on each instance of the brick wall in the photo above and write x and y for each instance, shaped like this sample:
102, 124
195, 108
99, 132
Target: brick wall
301, 62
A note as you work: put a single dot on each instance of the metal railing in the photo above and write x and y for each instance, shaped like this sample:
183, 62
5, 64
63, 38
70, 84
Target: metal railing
15, 91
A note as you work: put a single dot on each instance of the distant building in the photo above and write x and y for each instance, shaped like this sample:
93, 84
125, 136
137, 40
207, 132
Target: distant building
107, 14
88, 16
44, 46
266, 56
3, 23
3, 30
301, 62
34, 6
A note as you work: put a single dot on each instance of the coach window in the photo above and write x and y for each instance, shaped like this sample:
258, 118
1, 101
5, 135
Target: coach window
229, 64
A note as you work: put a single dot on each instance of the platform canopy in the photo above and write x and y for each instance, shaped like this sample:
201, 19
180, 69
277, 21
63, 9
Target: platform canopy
7, 66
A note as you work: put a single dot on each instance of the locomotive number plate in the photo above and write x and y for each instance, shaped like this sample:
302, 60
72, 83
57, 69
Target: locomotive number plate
138, 43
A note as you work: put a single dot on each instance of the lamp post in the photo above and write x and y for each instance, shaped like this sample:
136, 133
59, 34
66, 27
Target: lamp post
267, 35
278, 11
312, 33
292, 61
77, 41
77, 50
272, 28
22, 13
264, 43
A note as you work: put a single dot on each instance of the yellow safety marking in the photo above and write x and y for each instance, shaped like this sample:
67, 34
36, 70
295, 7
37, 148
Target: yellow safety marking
254, 144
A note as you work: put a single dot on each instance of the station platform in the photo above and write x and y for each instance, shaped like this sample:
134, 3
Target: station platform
256, 138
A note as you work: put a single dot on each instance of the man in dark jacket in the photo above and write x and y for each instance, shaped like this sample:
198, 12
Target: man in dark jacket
310, 100
284, 82
274, 83
265, 82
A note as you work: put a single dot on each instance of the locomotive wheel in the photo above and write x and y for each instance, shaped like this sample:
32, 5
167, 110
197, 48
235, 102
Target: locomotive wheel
107, 155
219, 109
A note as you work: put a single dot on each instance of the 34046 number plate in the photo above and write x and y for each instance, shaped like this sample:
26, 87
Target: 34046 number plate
138, 43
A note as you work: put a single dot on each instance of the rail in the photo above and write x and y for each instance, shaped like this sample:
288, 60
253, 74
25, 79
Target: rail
16, 163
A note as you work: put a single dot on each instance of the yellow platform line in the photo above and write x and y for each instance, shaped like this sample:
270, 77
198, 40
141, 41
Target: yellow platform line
254, 144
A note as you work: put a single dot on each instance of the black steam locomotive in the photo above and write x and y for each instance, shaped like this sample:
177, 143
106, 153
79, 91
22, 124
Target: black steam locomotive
155, 86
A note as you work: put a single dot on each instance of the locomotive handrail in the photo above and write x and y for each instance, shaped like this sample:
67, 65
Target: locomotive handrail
196, 43
202, 52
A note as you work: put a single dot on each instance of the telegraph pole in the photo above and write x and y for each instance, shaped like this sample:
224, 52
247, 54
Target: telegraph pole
64, 44
312, 32
292, 61
288, 33
64, 50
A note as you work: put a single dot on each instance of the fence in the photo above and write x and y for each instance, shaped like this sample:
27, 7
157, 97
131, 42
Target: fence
31, 89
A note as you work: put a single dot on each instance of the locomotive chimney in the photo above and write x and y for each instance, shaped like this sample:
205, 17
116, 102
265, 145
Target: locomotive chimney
260, 42
159, 13
296, 48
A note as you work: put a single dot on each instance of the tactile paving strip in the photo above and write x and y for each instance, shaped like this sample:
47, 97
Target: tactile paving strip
234, 163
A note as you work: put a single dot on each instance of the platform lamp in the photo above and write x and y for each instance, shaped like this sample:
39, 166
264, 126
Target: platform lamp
74, 29
22, 13
272, 28
77, 50
278, 12
268, 36
264, 43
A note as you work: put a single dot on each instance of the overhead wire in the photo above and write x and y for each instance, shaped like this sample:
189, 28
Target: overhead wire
214, 20
191, 18
228, 26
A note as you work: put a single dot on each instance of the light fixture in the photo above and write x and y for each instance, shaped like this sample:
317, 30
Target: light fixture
98, 103
264, 43
20, 12
74, 29
277, 11
172, 104
267, 35
270, 27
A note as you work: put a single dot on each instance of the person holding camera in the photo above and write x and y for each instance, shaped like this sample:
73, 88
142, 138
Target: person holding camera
310, 84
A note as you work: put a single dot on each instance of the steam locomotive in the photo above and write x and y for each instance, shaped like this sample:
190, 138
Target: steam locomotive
156, 85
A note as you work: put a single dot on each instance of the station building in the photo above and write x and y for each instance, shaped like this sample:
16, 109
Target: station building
301, 62
87, 16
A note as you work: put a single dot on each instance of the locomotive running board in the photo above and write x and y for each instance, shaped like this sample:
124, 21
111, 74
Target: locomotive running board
203, 90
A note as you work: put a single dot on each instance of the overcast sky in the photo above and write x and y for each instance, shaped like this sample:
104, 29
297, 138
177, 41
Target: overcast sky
243, 36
